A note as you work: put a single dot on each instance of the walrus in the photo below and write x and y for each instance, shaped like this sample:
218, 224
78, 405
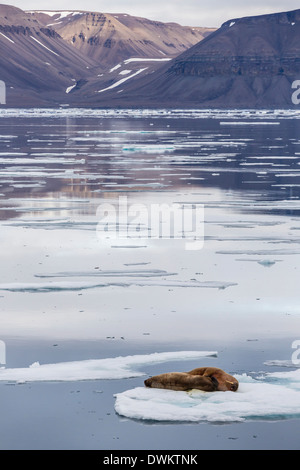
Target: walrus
208, 379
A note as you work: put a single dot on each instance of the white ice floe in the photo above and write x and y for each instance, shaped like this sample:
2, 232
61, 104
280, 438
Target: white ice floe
122, 367
282, 363
272, 397
46, 160
249, 123
111, 273
78, 286
174, 113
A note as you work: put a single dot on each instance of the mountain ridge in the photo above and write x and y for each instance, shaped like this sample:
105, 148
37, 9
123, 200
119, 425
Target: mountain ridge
247, 62
252, 61
109, 38
41, 64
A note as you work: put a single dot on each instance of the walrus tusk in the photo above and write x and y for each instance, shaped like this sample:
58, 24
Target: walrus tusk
228, 381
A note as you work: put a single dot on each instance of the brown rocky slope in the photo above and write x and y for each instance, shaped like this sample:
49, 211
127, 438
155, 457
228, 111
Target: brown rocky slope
248, 62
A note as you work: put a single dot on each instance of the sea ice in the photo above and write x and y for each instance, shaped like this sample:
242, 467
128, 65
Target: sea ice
121, 367
261, 398
78, 286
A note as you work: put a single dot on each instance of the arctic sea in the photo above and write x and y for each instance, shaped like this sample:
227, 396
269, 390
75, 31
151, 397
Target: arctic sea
91, 303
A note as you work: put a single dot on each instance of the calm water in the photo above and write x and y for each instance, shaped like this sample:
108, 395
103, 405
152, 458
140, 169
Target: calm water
68, 294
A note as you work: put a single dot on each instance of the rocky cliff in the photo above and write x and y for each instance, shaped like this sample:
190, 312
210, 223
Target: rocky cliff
248, 62
110, 38
36, 64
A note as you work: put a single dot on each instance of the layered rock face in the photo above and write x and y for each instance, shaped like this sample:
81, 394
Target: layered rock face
265, 45
248, 62
36, 64
47, 58
110, 38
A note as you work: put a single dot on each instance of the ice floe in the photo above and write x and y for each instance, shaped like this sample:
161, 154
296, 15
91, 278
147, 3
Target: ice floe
273, 396
80, 285
122, 367
111, 273
217, 114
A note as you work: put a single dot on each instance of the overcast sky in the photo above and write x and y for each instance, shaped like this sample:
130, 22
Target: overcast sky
185, 12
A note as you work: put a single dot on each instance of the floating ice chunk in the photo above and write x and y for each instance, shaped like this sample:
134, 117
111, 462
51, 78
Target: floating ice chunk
121, 367
263, 262
259, 252
249, 123
256, 399
150, 148
281, 363
78, 286
267, 262
111, 273
259, 115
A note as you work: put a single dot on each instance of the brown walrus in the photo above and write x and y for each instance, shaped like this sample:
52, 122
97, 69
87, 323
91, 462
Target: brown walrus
208, 379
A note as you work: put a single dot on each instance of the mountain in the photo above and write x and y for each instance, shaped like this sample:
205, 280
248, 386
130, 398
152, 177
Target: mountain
102, 60
247, 62
36, 64
48, 56
111, 38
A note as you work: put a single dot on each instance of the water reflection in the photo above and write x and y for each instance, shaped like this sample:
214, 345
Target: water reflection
55, 170
84, 157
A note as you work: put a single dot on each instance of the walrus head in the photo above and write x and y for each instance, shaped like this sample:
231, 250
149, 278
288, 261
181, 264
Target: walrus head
232, 386
226, 383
